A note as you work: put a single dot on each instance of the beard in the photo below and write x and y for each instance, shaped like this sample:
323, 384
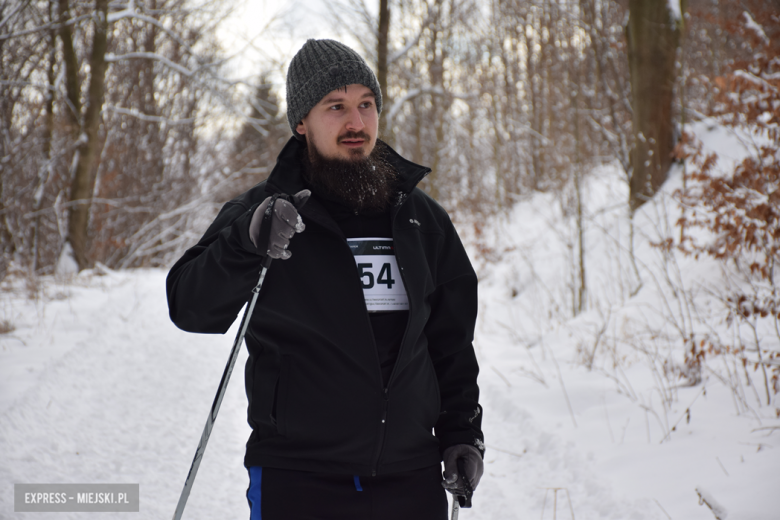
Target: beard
364, 184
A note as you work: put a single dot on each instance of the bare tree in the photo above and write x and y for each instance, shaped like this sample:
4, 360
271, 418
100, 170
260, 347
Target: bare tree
83, 180
99, 132
260, 139
25, 66
500, 98
653, 35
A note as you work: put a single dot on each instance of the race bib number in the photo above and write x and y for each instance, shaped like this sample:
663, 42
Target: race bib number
383, 288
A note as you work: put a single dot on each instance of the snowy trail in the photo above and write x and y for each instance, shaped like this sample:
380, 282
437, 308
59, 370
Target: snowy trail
126, 399
127, 403
97, 386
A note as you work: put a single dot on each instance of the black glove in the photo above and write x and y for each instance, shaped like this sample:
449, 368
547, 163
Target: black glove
472, 468
285, 222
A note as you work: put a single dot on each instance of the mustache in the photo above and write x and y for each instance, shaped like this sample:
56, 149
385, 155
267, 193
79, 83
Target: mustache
355, 135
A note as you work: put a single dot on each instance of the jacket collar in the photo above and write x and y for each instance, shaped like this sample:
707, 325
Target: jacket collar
287, 175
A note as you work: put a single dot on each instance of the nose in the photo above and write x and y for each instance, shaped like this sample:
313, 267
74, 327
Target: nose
354, 120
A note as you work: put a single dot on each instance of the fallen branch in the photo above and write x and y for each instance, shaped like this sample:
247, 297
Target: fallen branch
770, 428
718, 510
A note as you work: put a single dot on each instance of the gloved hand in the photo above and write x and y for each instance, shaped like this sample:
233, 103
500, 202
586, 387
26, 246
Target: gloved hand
472, 467
285, 222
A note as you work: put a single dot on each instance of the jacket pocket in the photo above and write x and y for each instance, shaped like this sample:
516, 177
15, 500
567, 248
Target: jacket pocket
436, 388
279, 412
263, 376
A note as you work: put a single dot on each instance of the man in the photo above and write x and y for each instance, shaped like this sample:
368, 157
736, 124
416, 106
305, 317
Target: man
361, 375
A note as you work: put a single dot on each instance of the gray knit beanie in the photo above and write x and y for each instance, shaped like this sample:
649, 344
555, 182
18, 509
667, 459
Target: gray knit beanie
322, 66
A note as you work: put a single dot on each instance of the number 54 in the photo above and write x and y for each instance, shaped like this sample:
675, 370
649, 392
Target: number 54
367, 276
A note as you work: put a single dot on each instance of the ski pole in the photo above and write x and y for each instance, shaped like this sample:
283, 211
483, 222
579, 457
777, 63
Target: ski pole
464, 500
204, 438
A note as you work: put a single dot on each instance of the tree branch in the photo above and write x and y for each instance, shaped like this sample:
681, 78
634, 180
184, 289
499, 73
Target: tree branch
134, 112
112, 58
46, 27
411, 94
15, 12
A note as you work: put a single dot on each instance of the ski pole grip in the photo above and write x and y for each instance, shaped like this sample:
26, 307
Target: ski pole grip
464, 500
265, 230
265, 227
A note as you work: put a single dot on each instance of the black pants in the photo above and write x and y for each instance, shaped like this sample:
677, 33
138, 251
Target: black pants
278, 494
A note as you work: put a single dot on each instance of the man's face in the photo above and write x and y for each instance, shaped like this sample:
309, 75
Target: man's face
344, 124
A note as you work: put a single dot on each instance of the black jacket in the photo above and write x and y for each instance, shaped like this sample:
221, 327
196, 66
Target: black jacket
316, 397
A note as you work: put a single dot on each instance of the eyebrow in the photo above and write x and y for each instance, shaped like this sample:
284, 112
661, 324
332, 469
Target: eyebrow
336, 98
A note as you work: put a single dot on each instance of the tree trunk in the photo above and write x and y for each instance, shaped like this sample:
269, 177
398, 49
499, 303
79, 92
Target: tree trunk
575, 82
71, 68
534, 99
381, 58
44, 174
83, 181
7, 247
653, 35
438, 105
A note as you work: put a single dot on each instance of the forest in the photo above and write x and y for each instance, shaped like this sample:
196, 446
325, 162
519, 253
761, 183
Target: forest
122, 130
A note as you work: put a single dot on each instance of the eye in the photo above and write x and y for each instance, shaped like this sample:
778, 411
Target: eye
367, 104
335, 107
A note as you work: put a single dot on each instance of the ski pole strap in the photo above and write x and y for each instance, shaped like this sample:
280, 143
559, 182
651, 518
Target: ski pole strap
464, 500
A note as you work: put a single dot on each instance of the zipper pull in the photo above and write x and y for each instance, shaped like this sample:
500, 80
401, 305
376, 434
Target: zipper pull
384, 408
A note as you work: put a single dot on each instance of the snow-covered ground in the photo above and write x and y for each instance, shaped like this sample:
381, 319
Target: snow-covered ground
98, 386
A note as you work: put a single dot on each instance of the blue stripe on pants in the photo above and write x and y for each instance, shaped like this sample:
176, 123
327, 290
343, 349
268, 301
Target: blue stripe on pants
254, 493
357, 483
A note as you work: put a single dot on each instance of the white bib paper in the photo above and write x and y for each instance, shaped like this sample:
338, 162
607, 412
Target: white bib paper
383, 287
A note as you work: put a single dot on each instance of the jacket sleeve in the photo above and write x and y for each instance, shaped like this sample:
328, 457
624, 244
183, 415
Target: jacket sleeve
212, 280
450, 332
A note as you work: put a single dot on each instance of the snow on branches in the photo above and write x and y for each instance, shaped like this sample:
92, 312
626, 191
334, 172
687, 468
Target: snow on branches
734, 215
750, 94
741, 210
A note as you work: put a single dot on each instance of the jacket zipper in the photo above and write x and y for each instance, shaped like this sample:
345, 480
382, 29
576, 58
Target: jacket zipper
382, 430
385, 400
396, 210
383, 425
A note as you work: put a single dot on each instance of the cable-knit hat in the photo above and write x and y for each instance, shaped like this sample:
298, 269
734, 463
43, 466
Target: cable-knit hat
322, 66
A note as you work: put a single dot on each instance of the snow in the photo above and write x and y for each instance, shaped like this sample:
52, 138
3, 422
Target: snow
753, 26
98, 386
66, 263
674, 9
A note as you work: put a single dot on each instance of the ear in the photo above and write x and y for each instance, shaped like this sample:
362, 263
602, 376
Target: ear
301, 128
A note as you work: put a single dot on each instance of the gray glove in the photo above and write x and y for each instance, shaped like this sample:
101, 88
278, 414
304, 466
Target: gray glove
285, 222
472, 467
